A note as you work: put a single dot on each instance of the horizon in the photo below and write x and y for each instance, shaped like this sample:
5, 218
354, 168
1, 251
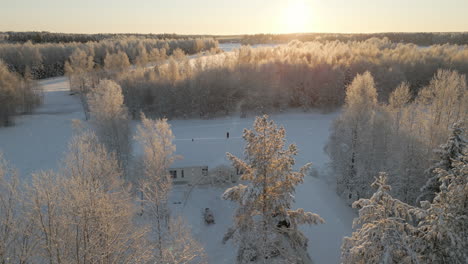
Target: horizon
236, 35
208, 17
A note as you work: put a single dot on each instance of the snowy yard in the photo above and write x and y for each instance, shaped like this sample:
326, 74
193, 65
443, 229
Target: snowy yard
38, 141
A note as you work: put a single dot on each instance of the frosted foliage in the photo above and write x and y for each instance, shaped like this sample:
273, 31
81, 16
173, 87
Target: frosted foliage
155, 183
16, 235
265, 226
361, 95
156, 138
78, 68
180, 246
109, 117
398, 137
448, 153
446, 100
353, 146
383, 234
444, 224
171, 237
116, 62
401, 96
17, 95
84, 213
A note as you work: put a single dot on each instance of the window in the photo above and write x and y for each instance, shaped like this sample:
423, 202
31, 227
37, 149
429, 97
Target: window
182, 173
205, 171
173, 174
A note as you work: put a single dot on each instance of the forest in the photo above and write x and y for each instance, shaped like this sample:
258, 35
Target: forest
417, 38
45, 60
397, 149
303, 75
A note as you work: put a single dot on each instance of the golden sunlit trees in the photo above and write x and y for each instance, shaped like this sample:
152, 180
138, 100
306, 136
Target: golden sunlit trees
265, 225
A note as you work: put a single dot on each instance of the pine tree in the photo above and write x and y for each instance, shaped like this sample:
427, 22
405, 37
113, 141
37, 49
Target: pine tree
448, 153
385, 233
265, 225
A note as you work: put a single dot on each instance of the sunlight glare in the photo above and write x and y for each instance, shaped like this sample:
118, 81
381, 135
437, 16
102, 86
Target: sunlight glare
296, 17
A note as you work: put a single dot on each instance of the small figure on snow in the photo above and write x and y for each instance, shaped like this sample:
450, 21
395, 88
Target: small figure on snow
227, 135
208, 216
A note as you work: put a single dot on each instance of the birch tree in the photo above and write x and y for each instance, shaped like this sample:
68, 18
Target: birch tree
351, 139
155, 136
109, 117
17, 238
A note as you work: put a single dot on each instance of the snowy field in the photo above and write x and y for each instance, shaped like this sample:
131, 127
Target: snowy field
38, 141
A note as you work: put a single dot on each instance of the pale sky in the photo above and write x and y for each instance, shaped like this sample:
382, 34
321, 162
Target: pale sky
233, 16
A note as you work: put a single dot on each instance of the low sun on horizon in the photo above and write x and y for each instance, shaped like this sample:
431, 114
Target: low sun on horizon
296, 17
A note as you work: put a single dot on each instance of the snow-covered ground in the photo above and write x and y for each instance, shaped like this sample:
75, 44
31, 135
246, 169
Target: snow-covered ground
38, 141
230, 46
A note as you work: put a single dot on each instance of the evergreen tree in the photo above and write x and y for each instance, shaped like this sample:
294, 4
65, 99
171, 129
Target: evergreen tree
264, 224
444, 224
450, 152
385, 233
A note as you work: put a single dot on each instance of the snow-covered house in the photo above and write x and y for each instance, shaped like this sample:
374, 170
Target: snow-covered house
201, 175
183, 175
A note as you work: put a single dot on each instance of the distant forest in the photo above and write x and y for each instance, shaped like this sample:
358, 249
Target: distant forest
418, 38
49, 37
421, 39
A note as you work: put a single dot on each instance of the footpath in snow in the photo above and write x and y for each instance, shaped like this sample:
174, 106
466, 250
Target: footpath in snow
38, 141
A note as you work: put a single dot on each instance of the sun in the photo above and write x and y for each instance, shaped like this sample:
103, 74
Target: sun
296, 17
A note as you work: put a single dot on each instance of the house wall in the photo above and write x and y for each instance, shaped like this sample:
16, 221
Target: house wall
188, 174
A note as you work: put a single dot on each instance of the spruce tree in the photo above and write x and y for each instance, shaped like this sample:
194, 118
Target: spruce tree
385, 232
444, 224
449, 153
265, 225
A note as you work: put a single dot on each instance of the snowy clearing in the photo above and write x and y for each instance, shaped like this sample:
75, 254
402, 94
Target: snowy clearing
38, 141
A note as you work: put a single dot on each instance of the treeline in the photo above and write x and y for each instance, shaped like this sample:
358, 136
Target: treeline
18, 95
48, 59
399, 137
421, 38
49, 37
305, 75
